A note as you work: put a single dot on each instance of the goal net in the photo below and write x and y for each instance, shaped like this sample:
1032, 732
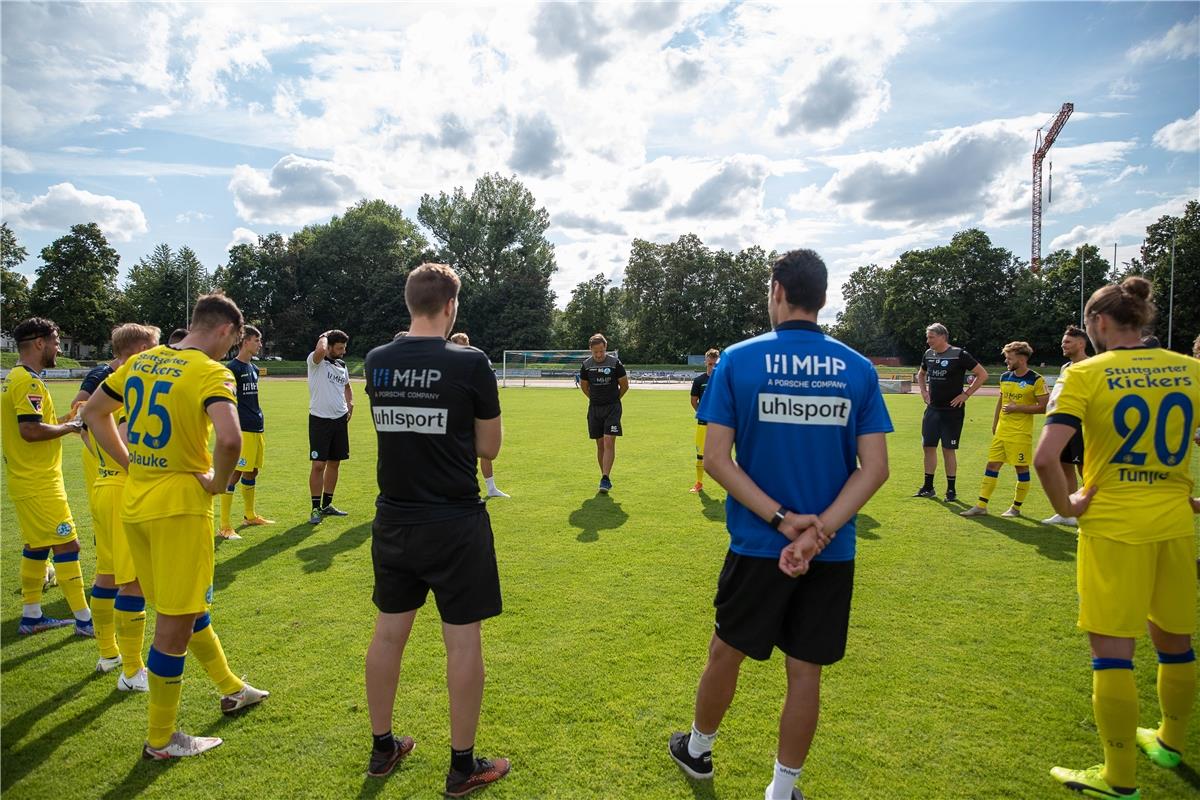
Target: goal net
523, 366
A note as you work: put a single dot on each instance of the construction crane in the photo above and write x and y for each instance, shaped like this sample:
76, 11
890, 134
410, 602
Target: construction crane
1041, 147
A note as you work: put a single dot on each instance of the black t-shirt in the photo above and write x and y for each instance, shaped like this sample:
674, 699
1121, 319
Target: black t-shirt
95, 377
426, 394
250, 414
602, 377
945, 373
699, 384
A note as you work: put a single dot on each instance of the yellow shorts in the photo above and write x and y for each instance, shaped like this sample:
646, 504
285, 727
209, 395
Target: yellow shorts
253, 446
90, 469
1123, 585
173, 557
45, 521
701, 430
1019, 454
112, 548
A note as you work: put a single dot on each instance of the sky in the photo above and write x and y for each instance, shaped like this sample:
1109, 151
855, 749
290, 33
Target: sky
858, 130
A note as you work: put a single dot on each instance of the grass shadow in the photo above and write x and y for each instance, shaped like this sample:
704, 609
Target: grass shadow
55, 644
16, 728
319, 558
865, 527
703, 790
19, 763
255, 554
714, 509
1188, 775
599, 513
1051, 542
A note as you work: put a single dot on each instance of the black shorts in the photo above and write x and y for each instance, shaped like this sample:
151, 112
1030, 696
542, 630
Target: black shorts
604, 420
455, 558
328, 439
760, 608
942, 425
1073, 452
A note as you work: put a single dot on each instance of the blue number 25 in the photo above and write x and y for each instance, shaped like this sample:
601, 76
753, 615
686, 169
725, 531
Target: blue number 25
135, 398
1132, 435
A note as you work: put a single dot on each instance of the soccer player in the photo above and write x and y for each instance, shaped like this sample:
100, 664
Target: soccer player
789, 392
1022, 394
33, 458
330, 406
1074, 347
698, 386
177, 336
1136, 553
250, 418
940, 379
436, 409
87, 387
118, 606
485, 464
603, 381
173, 396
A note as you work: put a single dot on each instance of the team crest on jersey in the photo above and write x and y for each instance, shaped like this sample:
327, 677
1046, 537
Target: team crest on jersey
35, 400
606, 370
208, 594
63, 530
945, 363
313, 454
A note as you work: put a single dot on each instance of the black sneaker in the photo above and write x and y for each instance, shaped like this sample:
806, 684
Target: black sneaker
330, 511
699, 768
951, 496
384, 761
923, 492
487, 770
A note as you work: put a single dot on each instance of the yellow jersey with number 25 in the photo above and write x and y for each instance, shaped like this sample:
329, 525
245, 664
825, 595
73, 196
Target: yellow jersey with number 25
166, 393
1138, 410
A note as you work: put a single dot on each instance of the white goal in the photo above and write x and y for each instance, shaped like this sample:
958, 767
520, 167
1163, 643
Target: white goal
523, 366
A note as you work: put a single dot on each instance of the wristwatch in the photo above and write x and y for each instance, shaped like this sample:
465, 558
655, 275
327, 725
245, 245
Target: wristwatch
777, 520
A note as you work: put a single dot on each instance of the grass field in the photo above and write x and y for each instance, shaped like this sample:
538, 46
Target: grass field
965, 675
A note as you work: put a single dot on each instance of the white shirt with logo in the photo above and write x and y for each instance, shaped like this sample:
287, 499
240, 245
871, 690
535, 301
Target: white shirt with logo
327, 388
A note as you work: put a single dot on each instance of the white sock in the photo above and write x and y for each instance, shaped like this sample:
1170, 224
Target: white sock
700, 743
783, 783
491, 483
84, 614
32, 610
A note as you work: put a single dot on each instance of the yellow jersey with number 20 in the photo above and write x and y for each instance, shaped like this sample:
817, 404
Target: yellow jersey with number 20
166, 393
1138, 410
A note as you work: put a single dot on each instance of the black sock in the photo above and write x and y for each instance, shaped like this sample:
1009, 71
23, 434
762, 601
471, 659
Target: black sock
928, 481
316, 501
326, 500
463, 760
949, 484
604, 477
384, 742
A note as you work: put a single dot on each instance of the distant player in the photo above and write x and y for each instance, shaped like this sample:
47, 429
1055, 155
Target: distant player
1022, 394
1074, 347
250, 418
603, 381
807, 419
330, 406
699, 384
177, 336
33, 458
1135, 565
485, 464
940, 378
173, 397
118, 606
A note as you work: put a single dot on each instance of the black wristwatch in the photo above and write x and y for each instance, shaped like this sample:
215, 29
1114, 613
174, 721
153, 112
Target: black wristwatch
777, 520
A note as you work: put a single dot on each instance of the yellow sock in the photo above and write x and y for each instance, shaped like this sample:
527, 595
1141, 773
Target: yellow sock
70, 579
131, 632
1176, 694
699, 470
33, 575
226, 508
166, 687
988, 486
206, 647
248, 499
1022, 489
1115, 704
103, 619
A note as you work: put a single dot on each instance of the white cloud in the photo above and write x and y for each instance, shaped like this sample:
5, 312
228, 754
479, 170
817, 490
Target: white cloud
1180, 42
193, 216
63, 206
294, 192
1126, 228
14, 160
1180, 136
242, 236
78, 150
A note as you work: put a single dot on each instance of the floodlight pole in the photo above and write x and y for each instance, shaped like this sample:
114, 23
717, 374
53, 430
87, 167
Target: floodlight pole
1082, 261
1171, 301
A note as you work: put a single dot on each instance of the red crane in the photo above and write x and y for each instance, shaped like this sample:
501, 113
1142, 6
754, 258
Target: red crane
1041, 147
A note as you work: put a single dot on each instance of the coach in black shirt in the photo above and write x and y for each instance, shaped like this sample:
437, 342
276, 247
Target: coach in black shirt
941, 376
436, 409
603, 380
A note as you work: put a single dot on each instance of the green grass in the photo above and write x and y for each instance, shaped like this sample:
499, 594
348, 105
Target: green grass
9, 360
965, 675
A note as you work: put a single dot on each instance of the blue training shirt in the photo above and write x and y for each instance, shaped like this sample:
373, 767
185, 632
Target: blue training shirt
797, 400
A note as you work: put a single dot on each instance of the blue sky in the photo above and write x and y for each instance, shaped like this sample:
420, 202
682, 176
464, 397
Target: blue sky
858, 130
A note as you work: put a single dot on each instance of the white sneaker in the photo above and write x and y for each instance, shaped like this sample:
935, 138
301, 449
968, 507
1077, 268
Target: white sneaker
248, 696
1059, 519
974, 511
1013, 511
108, 664
181, 745
497, 493
140, 682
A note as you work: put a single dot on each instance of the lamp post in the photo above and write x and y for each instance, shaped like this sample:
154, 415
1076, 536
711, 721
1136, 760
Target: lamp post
1171, 294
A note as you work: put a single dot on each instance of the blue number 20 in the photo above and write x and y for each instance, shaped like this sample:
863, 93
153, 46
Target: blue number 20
1126, 453
135, 396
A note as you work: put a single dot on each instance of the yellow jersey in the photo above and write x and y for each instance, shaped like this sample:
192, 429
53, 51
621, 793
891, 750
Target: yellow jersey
107, 472
1138, 410
1023, 390
166, 393
34, 468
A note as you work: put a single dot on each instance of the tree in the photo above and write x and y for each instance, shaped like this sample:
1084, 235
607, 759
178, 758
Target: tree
155, 292
594, 308
860, 323
1155, 263
14, 287
76, 285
